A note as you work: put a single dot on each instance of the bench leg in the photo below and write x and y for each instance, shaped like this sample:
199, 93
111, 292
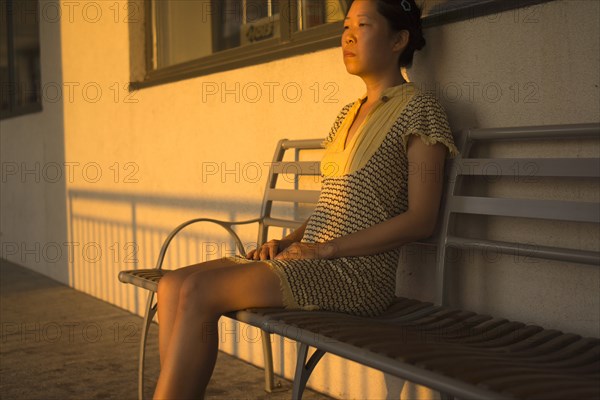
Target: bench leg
150, 311
304, 369
270, 385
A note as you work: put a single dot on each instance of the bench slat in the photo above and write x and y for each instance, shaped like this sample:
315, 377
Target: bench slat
540, 132
302, 144
144, 278
526, 208
282, 223
294, 196
527, 169
526, 250
297, 167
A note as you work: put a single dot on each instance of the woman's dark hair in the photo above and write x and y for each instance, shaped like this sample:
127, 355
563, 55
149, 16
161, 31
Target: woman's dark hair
404, 15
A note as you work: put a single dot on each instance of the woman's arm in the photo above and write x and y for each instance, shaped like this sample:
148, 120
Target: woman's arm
425, 183
295, 236
274, 246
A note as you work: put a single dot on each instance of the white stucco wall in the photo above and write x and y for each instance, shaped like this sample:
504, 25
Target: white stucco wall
133, 165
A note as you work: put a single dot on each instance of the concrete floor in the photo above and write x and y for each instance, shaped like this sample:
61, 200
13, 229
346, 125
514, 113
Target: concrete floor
59, 343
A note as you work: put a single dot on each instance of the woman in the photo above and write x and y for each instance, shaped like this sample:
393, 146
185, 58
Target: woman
382, 179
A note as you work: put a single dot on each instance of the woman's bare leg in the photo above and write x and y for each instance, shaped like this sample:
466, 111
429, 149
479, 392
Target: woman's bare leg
168, 298
204, 297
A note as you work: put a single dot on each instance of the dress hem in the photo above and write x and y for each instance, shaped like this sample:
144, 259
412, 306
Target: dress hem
289, 301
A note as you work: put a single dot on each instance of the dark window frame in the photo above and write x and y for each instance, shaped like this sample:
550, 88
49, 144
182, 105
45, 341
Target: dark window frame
288, 44
10, 86
295, 43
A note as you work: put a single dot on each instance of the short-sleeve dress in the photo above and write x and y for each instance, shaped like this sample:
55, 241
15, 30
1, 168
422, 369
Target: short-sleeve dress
371, 194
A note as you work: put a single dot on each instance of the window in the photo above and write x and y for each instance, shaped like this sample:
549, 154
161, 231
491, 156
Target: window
188, 38
195, 37
19, 58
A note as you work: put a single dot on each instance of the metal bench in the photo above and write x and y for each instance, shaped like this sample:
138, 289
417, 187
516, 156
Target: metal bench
456, 352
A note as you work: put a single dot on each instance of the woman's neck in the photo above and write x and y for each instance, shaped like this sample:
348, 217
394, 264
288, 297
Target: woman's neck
375, 87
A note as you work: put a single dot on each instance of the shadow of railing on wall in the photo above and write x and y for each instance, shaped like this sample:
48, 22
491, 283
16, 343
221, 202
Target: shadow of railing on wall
110, 232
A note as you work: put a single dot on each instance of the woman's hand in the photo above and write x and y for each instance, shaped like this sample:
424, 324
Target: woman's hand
304, 250
268, 250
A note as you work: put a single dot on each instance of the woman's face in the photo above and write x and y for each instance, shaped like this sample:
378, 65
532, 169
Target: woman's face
368, 45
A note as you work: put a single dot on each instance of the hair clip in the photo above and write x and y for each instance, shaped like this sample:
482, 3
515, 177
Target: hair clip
406, 5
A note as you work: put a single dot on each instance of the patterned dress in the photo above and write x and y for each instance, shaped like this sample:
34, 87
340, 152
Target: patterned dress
361, 285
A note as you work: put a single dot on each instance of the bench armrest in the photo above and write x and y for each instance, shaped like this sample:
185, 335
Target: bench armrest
224, 224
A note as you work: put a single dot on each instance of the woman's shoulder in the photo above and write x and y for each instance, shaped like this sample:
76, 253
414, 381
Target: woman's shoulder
424, 103
423, 109
426, 117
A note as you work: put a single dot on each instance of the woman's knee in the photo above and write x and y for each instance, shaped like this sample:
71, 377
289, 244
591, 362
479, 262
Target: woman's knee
169, 284
201, 291
173, 280
217, 291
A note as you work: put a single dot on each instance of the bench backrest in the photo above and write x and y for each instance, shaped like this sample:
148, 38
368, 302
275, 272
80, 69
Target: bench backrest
457, 202
296, 195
